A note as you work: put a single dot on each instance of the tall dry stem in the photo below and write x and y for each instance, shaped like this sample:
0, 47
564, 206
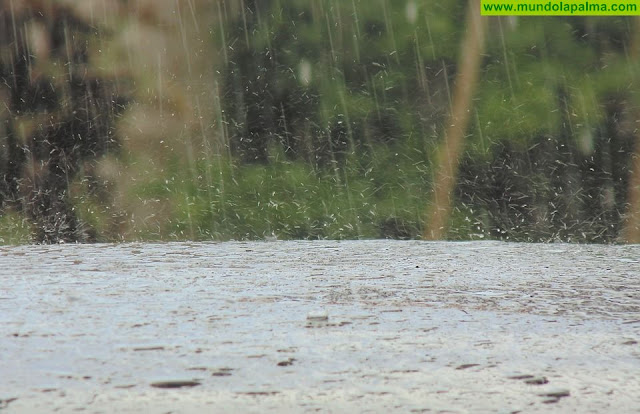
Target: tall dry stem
450, 150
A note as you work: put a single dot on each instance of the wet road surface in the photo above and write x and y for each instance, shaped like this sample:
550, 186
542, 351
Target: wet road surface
354, 326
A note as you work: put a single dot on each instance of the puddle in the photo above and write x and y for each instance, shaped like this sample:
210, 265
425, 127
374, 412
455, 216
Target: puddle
329, 326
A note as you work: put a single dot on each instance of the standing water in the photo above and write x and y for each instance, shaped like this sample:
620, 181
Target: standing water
320, 325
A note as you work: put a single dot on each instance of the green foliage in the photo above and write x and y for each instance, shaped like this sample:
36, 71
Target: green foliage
547, 113
14, 229
332, 111
532, 63
291, 200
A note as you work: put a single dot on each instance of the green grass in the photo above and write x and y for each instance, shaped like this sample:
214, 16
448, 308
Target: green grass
14, 229
290, 199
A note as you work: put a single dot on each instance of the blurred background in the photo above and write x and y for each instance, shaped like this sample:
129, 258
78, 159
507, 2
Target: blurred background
127, 120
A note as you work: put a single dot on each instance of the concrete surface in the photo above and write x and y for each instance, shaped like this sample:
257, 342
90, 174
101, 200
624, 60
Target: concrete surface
356, 326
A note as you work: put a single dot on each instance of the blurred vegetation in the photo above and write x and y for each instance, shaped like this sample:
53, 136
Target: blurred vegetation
321, 118
57, 118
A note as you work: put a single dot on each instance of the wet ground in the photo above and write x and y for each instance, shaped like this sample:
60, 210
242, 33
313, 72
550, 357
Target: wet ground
358, 326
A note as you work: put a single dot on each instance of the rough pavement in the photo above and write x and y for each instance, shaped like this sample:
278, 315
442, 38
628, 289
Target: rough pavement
354, 326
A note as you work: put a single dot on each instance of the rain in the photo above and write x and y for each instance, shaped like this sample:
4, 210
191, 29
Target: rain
236, 120
389, 146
